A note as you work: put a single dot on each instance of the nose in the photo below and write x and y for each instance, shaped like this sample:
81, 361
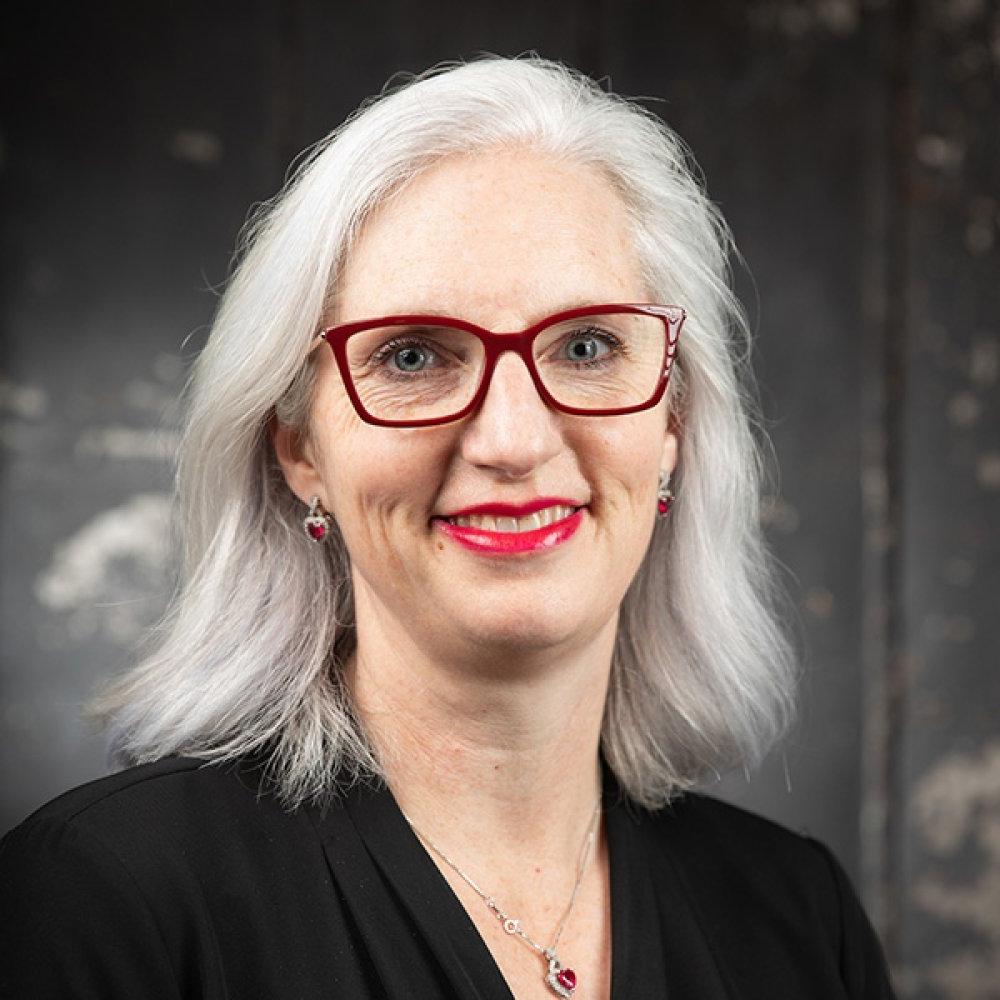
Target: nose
514, 431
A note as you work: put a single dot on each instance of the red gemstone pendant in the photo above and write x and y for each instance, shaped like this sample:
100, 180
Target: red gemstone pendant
561, 981
316, 529
567, 978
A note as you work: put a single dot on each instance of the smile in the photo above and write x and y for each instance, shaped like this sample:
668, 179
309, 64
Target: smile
514, 525
499, 535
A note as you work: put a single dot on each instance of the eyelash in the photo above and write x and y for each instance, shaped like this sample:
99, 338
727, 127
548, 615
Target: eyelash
390, 347
614, 344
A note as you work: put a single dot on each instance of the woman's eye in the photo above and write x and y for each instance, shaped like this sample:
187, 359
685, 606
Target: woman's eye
586, 347
410, 359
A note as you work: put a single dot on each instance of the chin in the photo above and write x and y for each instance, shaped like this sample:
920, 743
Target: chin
528, 630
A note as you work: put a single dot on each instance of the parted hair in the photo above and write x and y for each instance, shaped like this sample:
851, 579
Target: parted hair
250, 653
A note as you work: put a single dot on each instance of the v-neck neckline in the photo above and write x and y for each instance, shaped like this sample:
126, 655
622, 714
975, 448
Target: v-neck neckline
367, 827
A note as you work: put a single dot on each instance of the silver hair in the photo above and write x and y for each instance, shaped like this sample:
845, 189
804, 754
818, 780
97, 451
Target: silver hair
249, 656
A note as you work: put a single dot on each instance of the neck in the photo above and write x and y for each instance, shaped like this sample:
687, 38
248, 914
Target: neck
499, 764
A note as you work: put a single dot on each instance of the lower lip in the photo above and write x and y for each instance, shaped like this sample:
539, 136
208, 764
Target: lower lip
497, 543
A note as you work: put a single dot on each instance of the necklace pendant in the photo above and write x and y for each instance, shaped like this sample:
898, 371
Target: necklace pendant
561, 981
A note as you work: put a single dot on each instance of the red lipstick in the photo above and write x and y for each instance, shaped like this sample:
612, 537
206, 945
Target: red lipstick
499, 543
514, 509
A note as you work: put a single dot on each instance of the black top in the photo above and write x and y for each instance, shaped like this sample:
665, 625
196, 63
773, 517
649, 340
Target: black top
178, 879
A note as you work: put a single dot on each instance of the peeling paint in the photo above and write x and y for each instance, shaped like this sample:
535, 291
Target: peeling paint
963, 409
984, 361
152, 398
979, 237
979, 232
29, 402
99, 575
975, 906
956, 808
780, 515
965, 975
939, 627
952, 801
78, 569
874, 486
880, 538
24, 438
839, 16
940, 152
819, 602
129, 443
988, 470
168, 368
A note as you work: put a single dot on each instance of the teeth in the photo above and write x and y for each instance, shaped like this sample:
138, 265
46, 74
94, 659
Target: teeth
514, 525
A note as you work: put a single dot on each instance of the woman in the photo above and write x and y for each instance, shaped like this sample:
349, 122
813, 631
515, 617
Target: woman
446, 660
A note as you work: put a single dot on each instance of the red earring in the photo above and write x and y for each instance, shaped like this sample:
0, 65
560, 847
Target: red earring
664, 495
318, 522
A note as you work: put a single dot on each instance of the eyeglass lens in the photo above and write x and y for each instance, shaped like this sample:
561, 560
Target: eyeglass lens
427, 372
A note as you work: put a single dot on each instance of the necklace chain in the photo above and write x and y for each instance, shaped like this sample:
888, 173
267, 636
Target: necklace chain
512, 925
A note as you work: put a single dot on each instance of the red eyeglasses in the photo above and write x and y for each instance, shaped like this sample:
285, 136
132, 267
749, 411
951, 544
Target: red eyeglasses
419, 370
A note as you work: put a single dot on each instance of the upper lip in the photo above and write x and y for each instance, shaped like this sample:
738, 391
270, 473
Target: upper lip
513, 509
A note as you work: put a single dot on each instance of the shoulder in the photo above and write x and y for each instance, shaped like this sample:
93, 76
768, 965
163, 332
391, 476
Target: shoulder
172, 779
707, 812
133, 878
732, 851
151, 880
82, 879
764, 889
701, 823
176, 818
137, 804
133, 784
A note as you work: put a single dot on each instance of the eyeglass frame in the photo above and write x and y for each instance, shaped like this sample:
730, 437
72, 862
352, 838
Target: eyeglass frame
496, 344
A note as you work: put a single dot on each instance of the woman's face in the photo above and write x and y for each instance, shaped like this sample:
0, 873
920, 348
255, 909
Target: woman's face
501, 240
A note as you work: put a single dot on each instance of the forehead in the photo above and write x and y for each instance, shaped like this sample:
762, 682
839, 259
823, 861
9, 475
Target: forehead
505, 236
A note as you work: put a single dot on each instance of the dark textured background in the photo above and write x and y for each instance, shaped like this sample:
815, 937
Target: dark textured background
853, 146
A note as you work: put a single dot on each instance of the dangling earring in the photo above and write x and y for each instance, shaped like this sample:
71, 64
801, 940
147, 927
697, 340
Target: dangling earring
664, 496
317, 522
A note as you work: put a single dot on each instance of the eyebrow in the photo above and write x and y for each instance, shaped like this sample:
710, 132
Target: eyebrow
564, 306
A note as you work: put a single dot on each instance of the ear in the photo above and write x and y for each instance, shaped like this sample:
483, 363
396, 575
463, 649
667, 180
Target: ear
295, 458
671, 445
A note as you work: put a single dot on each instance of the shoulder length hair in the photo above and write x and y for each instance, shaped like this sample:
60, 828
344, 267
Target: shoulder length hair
249, 654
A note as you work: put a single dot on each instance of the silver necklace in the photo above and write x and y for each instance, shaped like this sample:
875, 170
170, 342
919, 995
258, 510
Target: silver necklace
560, 978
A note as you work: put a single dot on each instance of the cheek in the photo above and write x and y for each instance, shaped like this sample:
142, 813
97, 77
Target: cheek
375, 476
625, 460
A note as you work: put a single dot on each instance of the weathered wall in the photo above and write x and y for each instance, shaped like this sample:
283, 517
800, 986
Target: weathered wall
853, 147
941, 756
